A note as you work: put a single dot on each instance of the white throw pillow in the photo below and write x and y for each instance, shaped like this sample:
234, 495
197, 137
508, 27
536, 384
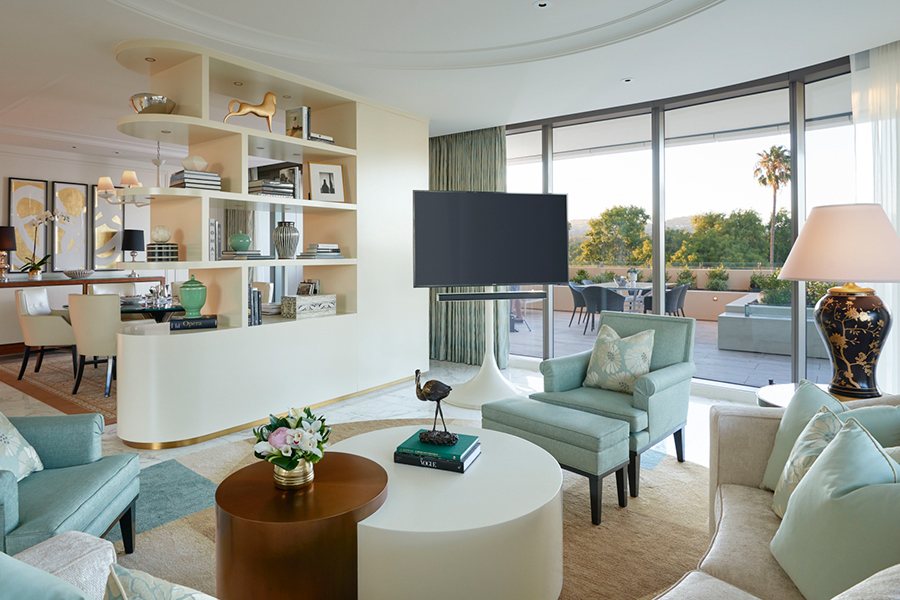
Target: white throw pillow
16, 454
129, 584
616, 362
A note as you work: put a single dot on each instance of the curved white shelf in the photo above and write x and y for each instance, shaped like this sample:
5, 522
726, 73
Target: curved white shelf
248, 201
184, 130
233, 264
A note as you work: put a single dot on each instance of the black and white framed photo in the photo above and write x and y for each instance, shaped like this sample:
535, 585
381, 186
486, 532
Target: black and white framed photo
69, 237
326, 182
27, 200
107, 223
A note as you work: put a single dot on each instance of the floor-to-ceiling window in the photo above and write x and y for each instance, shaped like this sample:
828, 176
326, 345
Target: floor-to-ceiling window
727, 205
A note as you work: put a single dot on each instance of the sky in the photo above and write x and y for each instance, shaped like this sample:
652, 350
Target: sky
703, 177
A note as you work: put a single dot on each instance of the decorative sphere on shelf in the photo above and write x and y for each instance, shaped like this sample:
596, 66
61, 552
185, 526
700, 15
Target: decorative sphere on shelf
160, 234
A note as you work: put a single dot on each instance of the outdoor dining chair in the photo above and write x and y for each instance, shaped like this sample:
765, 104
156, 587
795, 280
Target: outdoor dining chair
578, 302
598, 299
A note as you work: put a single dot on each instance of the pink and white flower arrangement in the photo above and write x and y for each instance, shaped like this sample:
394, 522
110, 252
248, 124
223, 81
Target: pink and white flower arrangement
285, 441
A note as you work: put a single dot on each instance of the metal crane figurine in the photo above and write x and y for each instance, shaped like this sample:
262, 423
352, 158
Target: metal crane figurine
435, 391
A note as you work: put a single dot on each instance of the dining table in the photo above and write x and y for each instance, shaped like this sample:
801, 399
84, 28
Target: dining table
635, 290
160, 313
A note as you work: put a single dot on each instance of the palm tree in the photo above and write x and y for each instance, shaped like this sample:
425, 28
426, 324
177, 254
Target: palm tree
773, 169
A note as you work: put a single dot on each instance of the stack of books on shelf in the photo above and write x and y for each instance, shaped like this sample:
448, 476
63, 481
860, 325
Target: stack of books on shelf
254, 307
321, 251
181, 323
456, 458
245, 255
271, 187
271, 308
203, 180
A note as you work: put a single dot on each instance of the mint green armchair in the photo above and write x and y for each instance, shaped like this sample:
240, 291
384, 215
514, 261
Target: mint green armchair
78, 490
659, 406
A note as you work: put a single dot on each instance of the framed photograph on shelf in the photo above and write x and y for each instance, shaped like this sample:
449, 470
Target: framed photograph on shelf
107, 224
27, 200
69, 240
304, 289
326, 182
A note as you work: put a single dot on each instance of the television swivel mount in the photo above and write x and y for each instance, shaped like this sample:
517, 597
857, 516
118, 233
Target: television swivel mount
488, 384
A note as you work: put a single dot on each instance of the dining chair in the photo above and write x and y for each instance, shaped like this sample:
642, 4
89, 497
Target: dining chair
598, 299
96, 321
684, 290
671, 302
578, 301
122, 289
42, 327
266, 290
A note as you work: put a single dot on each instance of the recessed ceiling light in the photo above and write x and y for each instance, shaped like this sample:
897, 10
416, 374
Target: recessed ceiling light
116, 152
150, 59
626, 80
542, 4
286, 97
238, 83
260, 148
74, 146
298, 154
166, 131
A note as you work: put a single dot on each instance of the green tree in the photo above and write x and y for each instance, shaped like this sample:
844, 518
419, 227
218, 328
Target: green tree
737, 238
773, 169
782, 236
615, 235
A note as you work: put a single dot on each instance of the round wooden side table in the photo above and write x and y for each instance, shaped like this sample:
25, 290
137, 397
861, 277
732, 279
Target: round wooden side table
286, 545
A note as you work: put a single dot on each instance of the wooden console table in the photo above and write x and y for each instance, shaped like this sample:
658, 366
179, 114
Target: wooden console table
84, 283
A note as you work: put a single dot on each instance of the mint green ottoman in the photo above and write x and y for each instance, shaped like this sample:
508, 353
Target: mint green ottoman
581, 442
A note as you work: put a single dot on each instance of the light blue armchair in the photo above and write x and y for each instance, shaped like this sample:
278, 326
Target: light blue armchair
78, 490
659, 406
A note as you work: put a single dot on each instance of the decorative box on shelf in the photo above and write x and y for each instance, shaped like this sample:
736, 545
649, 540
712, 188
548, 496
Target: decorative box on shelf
162, 252
301, 307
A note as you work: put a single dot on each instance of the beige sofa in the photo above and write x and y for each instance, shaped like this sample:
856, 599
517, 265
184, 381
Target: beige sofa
738, 564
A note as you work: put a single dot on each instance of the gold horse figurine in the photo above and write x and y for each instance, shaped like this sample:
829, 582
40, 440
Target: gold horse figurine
265, 110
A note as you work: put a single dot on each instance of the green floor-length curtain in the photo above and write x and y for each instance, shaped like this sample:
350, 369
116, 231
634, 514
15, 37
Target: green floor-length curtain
473, 161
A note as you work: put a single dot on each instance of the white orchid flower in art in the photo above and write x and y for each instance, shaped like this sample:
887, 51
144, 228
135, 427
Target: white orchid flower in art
32, 223
264, 448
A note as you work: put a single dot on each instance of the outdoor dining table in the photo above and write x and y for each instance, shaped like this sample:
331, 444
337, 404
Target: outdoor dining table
636, 289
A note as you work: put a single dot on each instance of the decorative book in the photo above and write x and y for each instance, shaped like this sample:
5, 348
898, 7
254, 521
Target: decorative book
455, 466
456, 452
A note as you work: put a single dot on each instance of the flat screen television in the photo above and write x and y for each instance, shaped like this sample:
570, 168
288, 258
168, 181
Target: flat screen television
489, 238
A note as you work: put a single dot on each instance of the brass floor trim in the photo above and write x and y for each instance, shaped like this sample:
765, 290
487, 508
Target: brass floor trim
210, 436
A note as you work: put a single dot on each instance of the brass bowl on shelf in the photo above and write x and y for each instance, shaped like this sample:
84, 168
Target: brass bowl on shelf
149, 103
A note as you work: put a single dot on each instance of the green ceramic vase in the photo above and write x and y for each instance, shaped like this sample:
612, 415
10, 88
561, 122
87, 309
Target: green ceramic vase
193, 297
239, 241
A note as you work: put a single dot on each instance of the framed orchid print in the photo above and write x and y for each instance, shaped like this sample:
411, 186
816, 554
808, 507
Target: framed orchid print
27, 201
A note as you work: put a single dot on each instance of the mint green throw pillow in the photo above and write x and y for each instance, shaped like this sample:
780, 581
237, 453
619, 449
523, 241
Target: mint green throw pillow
841, 524
19, 581
883, 422
804, 405
128, 584
616, 362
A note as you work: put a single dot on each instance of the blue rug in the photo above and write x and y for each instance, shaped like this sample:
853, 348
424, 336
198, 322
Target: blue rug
169, 491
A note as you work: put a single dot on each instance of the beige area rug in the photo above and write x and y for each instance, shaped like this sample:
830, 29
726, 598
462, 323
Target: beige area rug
53, 385
636, 552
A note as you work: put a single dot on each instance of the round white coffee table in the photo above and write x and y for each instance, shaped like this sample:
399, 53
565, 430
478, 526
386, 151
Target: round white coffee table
493, 532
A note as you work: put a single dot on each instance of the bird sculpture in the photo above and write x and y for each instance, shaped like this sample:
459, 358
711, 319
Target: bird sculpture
435, 391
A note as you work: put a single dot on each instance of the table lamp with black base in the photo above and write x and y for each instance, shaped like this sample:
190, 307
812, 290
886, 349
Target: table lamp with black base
849, 242
133, 241
7, 245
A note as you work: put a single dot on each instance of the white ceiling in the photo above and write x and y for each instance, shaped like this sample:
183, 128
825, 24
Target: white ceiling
465, 64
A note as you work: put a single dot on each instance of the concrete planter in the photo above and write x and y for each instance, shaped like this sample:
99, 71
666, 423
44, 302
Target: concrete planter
750, 327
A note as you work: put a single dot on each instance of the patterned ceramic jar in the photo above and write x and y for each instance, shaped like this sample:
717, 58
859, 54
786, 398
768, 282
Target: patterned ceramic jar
286, 238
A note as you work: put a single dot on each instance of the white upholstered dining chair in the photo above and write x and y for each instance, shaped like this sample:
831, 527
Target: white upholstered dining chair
42, 328
122, 289
96, 321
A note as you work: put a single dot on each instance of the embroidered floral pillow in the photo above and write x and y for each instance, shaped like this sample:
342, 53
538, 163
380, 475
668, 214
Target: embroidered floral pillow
16, 454
616, 362
818, 433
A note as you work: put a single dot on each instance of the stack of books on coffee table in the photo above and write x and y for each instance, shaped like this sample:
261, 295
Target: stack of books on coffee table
456, 458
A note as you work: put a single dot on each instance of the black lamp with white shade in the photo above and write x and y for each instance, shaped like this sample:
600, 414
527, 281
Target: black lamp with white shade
133, 241
7, 245
849, 242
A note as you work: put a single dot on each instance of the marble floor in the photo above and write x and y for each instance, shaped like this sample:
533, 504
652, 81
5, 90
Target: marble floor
396, 402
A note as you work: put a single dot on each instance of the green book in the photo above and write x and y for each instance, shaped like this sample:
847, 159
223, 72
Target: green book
455, 452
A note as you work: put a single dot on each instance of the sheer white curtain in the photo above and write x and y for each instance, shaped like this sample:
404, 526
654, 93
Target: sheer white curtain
876, 114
